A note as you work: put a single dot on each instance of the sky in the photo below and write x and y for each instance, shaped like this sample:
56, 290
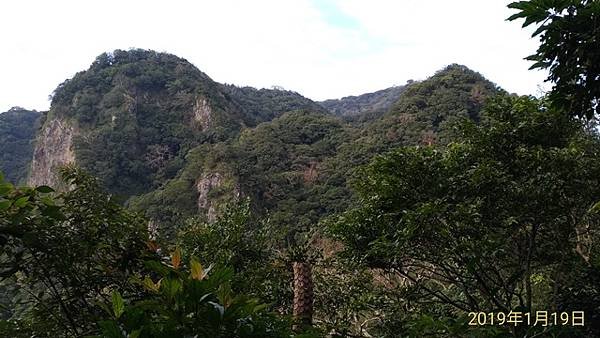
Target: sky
320, 48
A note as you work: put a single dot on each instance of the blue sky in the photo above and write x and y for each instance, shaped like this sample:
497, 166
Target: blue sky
334, 16
319, 48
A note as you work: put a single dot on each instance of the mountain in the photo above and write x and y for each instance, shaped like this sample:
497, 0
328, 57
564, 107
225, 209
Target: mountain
132, 117
425, 111
174, 144
297, 167
370, 104
17, 132
283, 166
266, 104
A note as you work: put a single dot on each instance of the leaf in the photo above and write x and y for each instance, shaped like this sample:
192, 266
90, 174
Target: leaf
110, 329
118, 304
595, 208
150, 285
44, 189
197, 271
21, 202
157, 267
5, 187
135, 334
176, 258
4, 204
171, 287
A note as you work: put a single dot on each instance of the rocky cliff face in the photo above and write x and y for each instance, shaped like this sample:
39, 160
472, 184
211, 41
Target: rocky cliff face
203, 113
211, 184
54, 148
205, 185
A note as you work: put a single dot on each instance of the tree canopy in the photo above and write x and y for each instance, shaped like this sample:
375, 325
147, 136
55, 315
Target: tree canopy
569, 34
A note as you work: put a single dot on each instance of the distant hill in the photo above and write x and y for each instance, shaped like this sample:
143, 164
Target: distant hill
132, 117
175, 144
17, 133
296, 168
426, 108
263, 105
370, 104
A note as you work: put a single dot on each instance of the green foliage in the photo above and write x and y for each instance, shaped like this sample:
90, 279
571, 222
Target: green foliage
138, 113
425, 109
134, 110
79, 259
283, 167
261, 105
189, 301
238, 240
569, 34
469, 225
17, 133
62, 252
366, 106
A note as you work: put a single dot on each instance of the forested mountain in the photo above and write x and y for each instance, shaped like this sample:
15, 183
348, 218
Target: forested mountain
163, 204
369, 105
17, 133
160, 133
267, 104
132, 117
296, 168
146, 122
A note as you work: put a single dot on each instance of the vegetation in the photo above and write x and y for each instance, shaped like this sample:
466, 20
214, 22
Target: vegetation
138, 113
481, 224
568, 31
238, 212
77, 264
365, 106
17, 134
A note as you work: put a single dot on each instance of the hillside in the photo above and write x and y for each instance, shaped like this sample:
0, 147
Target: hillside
263, 105
367, 105
297, 168
17, 133
132, 117
150, 201
283, 166
426, 109
162, 135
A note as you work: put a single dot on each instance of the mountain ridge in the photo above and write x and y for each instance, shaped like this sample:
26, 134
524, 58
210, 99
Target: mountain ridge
163, 136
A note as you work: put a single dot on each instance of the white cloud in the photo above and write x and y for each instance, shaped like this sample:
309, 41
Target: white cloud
294, 43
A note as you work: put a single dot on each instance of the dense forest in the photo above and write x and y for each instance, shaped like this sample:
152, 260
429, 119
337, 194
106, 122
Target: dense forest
152, 201
17, 134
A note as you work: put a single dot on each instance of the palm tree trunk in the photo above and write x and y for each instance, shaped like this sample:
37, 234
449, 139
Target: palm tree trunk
303, 295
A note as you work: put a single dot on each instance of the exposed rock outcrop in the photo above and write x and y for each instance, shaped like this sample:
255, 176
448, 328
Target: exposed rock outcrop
203, 113
214, 188
54, 148
206, 183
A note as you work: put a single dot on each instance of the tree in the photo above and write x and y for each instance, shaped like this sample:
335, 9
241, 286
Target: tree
569, 32
82, 265
63, 252
497, 221
189, 301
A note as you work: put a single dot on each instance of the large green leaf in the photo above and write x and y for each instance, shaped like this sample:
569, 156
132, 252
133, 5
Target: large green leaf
118, 304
